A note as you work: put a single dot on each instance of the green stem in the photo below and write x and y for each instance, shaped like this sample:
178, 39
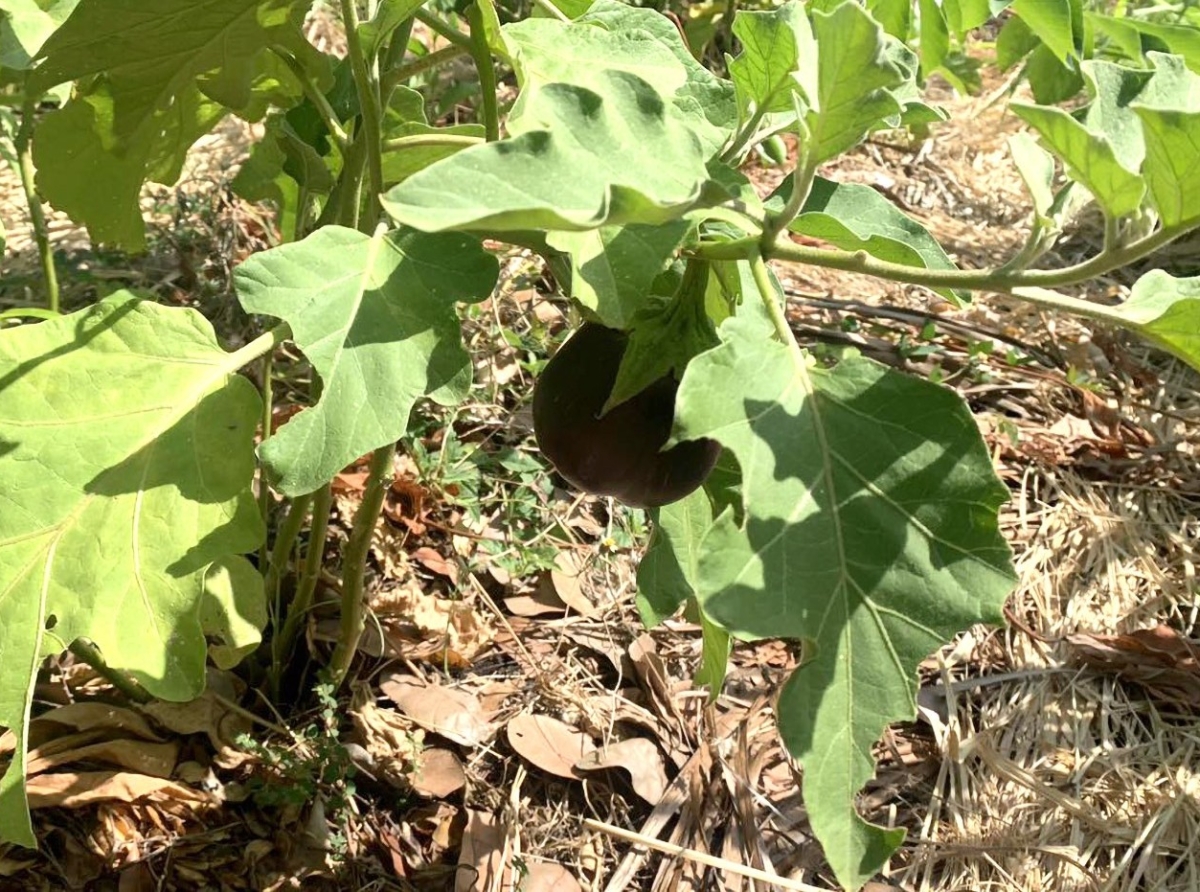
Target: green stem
742, 138
354, 561
316, 97
487, 71
998, 280
431, 139
802, 179
772, 301
285, 641
264, 491
397, 76
433, 23
394, 58
260, 346
551, 10
285, 541
90, 654
371, 132
41, 234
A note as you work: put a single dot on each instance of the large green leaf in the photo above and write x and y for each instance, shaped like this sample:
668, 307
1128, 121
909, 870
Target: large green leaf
870, 530
855, 217
1172, 166
614, 35
861, 72
139, 105
1059, 23
375, 317
127, 453
580, 160
148, 54
1166, 310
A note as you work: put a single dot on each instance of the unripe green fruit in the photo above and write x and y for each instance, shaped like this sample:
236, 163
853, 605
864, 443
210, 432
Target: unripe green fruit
619, 454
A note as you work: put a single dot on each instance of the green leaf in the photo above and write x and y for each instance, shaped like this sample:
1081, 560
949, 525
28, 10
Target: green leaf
1059, 24
855, 217
667, 572
127, 454
1049, 78
861, 68
613, 267
1169, 111
388, 17
1090, 158
1015, 41
894, 15
233, 611
580, 160
1183, 40
714, 655
25, 25
1166, 310
375, 317
405, 116
81, 170
776, 59
613, 35
870, 531
1036, 167
150, 54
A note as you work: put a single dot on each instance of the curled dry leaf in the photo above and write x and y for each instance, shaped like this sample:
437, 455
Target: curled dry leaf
422, 625
640, 757
390, 739
454, 714
551, 745
432, 560
438, 774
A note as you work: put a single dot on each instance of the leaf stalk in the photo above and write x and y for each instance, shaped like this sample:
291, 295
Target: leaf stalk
37, 216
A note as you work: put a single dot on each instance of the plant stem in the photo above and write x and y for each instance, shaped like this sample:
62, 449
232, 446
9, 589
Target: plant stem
370, 135
285, 541
261, 345
772, 301
316, 97
548, 7
354, 561
394, 58
433, 23
802, 179
87, 652
482, 55
431, 139
998, 280
41, 234
264, 491
297, 612
397, 76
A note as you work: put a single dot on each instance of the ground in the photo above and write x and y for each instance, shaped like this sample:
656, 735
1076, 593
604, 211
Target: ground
1056, 753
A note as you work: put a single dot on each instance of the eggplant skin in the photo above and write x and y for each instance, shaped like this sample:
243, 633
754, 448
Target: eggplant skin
620, 454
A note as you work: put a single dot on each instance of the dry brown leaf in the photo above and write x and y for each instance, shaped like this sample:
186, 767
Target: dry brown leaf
454, 714
204, 715
142, 757
388, 737
546, 876
87, 717
431, 560
481, 858
422, 625
438, 774
549, 744
567, 579
1159, 659
638, 756
541, 600
72, 789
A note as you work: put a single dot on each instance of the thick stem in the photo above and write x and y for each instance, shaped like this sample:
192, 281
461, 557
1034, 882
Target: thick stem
285, 541
370, 134
482, 55
998, 280
354, 561
802, 180
41, 234
264, 491
87, 652
306, 588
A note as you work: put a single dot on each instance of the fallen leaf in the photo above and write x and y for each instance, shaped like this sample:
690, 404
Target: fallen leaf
438, 774
481, 857
546, 876
72, 789
431, 560
455, 715
551, 745
567, 579
640, 757
142, 757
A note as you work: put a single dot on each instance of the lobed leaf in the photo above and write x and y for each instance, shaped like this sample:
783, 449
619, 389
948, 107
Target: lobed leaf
375, 317
127, 451
870, 530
